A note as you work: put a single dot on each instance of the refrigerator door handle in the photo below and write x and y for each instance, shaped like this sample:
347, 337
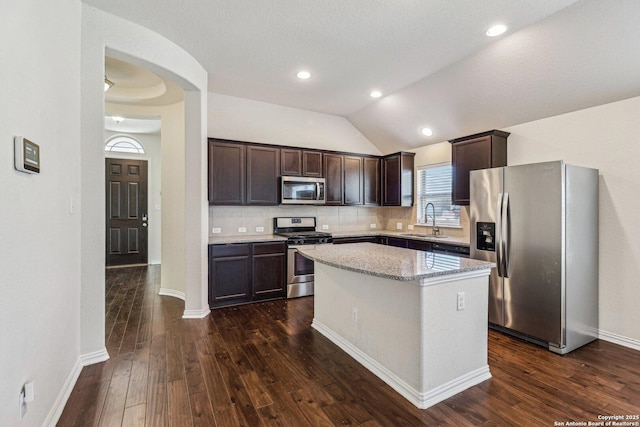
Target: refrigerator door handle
498, 242
506, 234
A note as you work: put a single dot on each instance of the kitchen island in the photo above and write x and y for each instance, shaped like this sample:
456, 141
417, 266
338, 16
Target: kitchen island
417, 320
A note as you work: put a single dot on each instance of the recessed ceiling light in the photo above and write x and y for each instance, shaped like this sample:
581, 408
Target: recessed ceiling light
426, 131
496, 30
376, 94
303, 75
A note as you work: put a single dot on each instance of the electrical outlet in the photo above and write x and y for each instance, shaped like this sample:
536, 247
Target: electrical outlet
242, 229
354, 314
216, 230
409, 227
259, 229
325, 227
399, 225
460, 301
372, 226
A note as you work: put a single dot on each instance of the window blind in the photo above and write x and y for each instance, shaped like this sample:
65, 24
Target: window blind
434, 186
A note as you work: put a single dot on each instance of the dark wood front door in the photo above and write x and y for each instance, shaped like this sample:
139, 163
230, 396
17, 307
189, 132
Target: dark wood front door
126, 191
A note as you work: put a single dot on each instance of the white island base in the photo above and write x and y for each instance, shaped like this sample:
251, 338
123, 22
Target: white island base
408, 333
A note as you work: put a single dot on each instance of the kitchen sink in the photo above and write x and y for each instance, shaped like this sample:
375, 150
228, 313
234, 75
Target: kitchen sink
439, 236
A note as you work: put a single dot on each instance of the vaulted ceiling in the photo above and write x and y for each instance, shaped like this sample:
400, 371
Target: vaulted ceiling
430, 59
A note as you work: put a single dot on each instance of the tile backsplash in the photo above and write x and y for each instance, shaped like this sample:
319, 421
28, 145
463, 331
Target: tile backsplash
338, 218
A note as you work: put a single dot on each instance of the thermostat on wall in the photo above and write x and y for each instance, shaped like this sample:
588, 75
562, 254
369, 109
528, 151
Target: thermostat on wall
27, 155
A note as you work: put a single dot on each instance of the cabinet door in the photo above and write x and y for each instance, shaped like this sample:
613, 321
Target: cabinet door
391, 181
333, 174
263, 167
371, 181
353, 180
229, 274
420, 245
398, 242
226, 173
312, 163
291, 162
356, 239
465, 157
269, 270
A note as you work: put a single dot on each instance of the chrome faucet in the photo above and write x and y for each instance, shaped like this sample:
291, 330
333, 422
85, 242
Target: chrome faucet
434, 229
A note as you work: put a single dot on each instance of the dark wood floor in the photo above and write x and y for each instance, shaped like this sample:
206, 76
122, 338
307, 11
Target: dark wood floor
262, 364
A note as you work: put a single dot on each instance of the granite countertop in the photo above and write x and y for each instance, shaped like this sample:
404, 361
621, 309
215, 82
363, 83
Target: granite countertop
222, 240
391, 262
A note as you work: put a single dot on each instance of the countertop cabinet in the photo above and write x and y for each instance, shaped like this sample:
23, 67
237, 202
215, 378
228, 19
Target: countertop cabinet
312, 163
245, 272
268, 270
353, 185
397, 179
356, 239
334, 179
371, 181
480, 151
227, 173
263, 167
299, 162
229, 274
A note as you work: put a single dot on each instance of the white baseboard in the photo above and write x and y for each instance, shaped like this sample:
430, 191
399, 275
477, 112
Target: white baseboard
172, 293
61, 401
422, 400
94, 357
619, 339
196, 314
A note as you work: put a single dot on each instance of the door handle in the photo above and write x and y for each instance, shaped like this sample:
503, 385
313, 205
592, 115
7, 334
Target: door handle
317, 191
506, 234
498, 237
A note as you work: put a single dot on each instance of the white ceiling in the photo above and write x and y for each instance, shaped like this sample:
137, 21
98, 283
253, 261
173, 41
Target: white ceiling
430, 58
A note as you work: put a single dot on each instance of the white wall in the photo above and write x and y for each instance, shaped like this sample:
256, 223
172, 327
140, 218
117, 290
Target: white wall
605, 138
253, 121
152, 147
40, 234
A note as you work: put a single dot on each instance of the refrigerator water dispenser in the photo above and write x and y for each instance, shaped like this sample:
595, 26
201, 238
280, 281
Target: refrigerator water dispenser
486, 236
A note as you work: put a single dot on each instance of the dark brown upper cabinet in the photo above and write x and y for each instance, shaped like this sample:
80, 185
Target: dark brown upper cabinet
312, 163
371, 181
397, 179
298, 162
353, 185
291, 161
227, 172
263, 167
480, 151
333, 174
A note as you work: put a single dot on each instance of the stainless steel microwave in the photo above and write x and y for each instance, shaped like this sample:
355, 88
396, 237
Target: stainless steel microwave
298, 190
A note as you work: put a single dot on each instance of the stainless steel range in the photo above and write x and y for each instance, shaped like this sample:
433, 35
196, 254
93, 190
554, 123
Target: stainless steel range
299, 231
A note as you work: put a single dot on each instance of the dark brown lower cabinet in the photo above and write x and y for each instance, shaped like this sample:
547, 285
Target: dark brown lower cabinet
244, 272
398, 242
420, 245
268, 270
356, 239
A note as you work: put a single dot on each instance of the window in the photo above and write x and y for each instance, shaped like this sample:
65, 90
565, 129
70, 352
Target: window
124, 144
434, 186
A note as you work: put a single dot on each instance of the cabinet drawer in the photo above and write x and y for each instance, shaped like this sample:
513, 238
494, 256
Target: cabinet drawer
268, 248
234, 249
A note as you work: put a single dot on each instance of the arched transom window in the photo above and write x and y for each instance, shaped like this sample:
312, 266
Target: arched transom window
124, 144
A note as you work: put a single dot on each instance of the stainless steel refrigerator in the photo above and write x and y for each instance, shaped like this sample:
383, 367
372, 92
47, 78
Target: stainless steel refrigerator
539, 224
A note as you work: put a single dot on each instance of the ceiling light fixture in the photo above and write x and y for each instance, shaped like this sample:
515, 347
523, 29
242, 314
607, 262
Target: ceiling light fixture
376, 94
496, 30
426, 131
303, 75
107, 83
